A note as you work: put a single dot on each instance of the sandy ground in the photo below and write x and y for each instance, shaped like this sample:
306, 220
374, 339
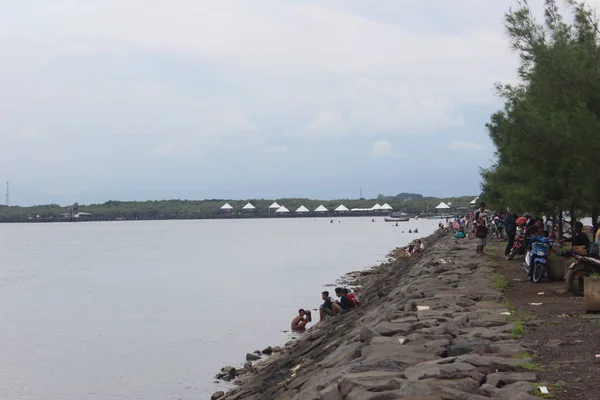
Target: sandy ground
565, 338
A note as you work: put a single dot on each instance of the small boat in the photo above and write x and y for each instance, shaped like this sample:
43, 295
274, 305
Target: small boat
397, 217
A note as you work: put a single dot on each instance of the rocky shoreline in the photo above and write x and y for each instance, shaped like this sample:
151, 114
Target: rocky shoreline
430, 327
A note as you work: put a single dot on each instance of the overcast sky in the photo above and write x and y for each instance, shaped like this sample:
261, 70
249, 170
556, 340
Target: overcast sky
136, 100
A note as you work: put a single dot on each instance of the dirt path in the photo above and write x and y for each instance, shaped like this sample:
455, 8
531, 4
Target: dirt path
564, 337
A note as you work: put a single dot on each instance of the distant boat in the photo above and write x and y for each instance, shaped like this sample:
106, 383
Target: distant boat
397, 217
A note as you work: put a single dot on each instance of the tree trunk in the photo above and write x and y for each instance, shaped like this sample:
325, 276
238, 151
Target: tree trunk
560, 224
594, 224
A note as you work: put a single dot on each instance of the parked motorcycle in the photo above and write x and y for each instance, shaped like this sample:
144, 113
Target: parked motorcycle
536, 259
583, 267
519, 245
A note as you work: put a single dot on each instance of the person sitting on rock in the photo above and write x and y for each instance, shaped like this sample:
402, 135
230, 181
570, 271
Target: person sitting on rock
327, 306
344, 304
351, 296
299, 322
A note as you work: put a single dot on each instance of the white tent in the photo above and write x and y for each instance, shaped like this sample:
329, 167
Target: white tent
376, 207
321, 209
474, 201
274, 206
342, 208
248, 207
302, 209
386, 207
282, 209
226, 206
442, 206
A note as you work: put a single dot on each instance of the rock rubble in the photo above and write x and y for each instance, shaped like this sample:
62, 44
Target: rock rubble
429, 327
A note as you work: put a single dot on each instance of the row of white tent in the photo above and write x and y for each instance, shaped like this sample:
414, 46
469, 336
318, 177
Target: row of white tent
282, 209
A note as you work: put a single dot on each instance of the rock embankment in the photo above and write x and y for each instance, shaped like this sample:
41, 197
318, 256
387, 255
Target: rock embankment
431, 327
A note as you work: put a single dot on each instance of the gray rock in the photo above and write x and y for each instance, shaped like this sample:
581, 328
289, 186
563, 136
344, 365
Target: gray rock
442, 371
330, 393
500, 379
217, 395
460, 395
487, 360
515, 391
391, 328
410, 318
554, 343
252, 357
367, 334
248, 366
268, 351
363, 379
276, 349
465, 345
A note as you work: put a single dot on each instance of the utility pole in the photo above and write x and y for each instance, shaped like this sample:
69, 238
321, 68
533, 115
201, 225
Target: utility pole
7, 194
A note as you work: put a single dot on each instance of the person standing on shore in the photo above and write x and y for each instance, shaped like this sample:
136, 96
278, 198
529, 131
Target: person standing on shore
510, 226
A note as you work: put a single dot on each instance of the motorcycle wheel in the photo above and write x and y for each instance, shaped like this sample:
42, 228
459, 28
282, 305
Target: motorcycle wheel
538, 272
576, 281
512, 254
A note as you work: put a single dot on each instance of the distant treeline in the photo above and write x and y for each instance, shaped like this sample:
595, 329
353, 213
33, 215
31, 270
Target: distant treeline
195, 209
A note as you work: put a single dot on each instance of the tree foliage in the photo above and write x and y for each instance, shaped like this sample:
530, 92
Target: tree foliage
547, 134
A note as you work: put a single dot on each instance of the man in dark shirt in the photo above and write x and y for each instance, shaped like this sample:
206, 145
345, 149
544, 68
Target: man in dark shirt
510, 226
327, 306
579, 240
344, 304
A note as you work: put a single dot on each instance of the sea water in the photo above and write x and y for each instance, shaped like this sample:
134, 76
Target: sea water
153, 309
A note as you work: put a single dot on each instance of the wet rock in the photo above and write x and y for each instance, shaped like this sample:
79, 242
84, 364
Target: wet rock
248, 366
500, 379
276, 349
268, 351
252, 357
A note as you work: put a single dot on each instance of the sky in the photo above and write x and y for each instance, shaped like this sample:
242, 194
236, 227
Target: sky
236, 99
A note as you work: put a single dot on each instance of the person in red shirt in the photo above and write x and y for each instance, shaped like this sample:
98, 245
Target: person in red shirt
351, 296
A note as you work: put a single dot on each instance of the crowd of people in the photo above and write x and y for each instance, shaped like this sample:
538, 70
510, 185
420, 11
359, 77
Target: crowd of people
505, 226
330, 308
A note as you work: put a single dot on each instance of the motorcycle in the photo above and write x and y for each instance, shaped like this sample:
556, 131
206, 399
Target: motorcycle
583, 267
536, 259
519, 245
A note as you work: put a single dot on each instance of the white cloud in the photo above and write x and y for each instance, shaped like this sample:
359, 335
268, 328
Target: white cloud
327, 121
465, 145
277, 149
381, 148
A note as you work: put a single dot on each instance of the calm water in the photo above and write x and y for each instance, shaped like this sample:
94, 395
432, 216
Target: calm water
151, 310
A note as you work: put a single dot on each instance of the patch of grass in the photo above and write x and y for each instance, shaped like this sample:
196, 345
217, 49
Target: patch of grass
532, 367
509, 307
521, 356
554, 322
541, 395
518, 329
500, 282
